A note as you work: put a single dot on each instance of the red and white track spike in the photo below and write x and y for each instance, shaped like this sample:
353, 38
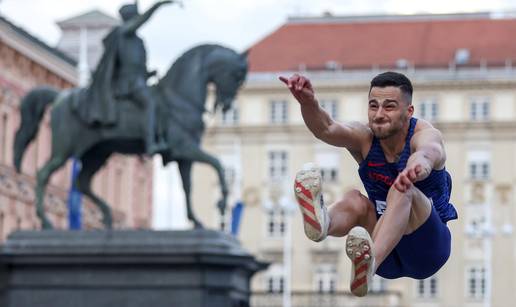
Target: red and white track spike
308, 191
359, 248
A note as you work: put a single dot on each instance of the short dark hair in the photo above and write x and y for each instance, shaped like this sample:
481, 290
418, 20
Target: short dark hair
391, 78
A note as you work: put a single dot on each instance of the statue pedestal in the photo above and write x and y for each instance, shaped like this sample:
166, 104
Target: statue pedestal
197, 268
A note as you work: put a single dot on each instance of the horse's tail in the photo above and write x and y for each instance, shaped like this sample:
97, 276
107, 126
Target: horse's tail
32, 108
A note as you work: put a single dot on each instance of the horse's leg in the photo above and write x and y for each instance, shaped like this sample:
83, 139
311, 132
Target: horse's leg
91, 163
185, 167
43, 175
194, 153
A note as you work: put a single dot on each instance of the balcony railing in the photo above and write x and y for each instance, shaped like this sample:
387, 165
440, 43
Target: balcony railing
336, 299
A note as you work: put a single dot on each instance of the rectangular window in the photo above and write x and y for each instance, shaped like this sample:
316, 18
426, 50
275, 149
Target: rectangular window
276, 223
476, 282
479, 170
278, 162
330, 106
475, 226
231, 164
275, 279
325, 278
379, 284
229, 175
428, 109
479, 164
278, 112
427, 288
328, 163
479, 108
231, 117
225, 220
433, 287
275, 284
330, 175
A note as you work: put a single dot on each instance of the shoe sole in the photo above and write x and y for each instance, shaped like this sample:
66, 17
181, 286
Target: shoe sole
358, 249
307, 188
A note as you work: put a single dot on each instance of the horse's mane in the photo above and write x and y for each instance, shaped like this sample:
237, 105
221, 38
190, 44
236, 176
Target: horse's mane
184, 62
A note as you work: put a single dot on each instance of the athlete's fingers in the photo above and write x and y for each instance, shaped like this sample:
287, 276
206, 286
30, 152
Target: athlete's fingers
398, 184
284, 80
308, 84
291, 81
412, 175
404, 178
404, 182
295, 78
301, 83
301, 95
291, 84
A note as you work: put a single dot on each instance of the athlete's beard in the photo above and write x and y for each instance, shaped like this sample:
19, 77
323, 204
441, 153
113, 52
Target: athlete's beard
392, 129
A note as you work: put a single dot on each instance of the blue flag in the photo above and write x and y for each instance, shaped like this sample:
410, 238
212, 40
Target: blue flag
74, 199
236, 216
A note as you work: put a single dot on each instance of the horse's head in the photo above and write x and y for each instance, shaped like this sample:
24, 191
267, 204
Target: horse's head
227, 70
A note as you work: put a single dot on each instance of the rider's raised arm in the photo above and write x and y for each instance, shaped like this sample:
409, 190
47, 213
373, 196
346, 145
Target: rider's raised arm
353, 136
133, 24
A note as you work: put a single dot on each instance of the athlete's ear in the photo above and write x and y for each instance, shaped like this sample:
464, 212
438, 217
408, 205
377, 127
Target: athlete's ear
410, 110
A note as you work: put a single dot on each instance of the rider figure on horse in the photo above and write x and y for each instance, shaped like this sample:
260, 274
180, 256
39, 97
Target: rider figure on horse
122, 74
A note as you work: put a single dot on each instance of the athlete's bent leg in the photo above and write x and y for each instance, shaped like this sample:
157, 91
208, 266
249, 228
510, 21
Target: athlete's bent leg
337, 220
354, 209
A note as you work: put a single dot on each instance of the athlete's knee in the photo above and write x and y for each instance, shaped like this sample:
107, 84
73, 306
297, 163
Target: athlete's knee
354, 202
395, 196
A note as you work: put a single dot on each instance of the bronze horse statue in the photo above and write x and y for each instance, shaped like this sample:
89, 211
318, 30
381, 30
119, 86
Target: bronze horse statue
181, 97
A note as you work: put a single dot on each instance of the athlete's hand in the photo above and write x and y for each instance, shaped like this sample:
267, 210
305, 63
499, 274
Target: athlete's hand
402, 182
410, 175
301, 89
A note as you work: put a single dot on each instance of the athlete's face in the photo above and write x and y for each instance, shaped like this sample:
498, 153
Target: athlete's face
388, 111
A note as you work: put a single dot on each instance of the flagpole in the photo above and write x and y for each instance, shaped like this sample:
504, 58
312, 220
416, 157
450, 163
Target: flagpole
288, 209
74, 196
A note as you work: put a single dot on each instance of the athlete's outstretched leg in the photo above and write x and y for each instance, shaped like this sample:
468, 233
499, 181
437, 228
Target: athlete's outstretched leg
354, 209
405, 212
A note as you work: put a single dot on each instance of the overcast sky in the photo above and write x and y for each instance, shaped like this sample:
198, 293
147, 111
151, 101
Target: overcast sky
234, 23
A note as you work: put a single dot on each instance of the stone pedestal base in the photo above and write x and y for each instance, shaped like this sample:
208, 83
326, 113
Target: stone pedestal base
198, 268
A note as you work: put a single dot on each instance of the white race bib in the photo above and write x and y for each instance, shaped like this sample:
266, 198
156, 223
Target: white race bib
381, 205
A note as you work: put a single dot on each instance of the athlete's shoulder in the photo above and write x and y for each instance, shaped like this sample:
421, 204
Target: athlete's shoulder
423, 125
425, 132
362, 131
365, 135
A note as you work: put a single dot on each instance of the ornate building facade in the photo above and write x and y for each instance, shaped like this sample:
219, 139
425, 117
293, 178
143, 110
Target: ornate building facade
461, 66
126, 183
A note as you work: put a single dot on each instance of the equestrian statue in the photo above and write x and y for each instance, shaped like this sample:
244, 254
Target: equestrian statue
119, 113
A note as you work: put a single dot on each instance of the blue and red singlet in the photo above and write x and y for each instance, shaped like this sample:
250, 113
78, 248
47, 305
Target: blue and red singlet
421, 253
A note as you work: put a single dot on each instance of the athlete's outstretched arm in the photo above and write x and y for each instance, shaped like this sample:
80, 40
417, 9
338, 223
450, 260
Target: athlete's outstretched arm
349, 135
428, 155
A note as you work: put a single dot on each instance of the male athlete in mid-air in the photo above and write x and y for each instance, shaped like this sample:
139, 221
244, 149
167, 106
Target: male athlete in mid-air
399, 229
